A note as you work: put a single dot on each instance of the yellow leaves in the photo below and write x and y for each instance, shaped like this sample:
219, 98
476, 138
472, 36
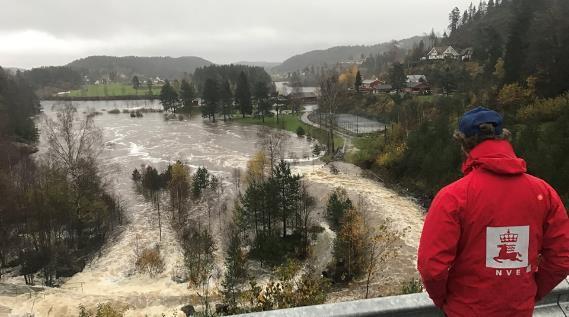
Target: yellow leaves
257, 167
392, 153
544, 109
474, 69
180, 172
348, 77
513, 96
499, 69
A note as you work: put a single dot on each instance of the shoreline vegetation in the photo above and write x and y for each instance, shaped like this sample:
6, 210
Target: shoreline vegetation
101, 98
292, 123
110, 91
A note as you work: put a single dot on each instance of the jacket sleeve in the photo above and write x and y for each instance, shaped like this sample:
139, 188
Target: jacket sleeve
437, 248
554, 264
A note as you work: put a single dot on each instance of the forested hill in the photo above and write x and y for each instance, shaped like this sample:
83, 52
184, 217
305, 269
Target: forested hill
338, 54
531, 37
163, 67
265, 65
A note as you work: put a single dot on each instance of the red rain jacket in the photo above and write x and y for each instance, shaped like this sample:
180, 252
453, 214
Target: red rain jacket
483, 234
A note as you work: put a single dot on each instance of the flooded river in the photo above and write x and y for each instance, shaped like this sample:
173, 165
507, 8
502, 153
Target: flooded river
133, 142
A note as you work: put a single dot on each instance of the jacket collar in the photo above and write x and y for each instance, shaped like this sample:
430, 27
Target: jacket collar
496, 156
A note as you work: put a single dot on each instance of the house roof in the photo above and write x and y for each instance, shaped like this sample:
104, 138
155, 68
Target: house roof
441, 49
416, 78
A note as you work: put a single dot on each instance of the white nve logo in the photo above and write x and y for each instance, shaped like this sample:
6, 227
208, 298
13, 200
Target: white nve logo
507, 247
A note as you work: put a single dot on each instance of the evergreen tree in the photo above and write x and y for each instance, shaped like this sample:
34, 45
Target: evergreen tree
288, 192
350, 244
168, 97
465, 17
211, 99
135, 83
243, 95
337, 205
358, 81
397, 76
454, 19
236, 270
149, 86
262, 99
226, 100
200, 181
516, 47
187, 95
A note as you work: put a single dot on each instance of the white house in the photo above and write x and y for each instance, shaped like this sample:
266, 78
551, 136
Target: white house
416, 79
443, 52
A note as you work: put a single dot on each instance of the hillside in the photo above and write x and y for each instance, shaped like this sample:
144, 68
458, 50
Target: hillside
265, 65
164, 67
529, 37
336, 54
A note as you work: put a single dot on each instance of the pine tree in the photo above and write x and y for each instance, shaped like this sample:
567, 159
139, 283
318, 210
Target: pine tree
337, 205
135, 83
236, 270
168, 97
211, 99
288, 192
397, 76
358, 82
243, 95
187, 95
261, 97
226, 99
350, 243
454, 19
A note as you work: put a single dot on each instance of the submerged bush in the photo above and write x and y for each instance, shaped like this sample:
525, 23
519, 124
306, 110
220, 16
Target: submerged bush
150, 261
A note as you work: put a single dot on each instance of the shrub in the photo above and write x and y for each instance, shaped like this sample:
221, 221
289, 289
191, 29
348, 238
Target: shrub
300, 131
103, 310
150, 261
412, 286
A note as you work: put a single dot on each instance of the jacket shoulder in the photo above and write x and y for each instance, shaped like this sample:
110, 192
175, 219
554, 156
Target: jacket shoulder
453, 195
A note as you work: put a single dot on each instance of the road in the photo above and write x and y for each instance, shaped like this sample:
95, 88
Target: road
347, 138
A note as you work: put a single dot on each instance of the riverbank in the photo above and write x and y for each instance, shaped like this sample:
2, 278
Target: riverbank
291, 123
100, 98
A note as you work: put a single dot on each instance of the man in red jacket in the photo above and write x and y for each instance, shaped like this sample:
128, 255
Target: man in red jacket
497, 240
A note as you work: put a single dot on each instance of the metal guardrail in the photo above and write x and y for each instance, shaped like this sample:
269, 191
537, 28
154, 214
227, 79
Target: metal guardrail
554, 304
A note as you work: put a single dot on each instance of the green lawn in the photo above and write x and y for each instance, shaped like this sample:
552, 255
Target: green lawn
291, 123
111, 90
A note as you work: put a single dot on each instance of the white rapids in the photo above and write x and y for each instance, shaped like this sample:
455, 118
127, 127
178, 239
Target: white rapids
132, 142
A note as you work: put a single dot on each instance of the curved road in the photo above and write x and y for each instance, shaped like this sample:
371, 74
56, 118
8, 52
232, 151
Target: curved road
347, 138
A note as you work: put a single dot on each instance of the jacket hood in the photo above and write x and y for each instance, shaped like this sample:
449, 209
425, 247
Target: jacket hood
496, 156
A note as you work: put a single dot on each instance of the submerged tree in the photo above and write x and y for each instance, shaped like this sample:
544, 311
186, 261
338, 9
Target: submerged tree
187, 96
211, 99
169, 97
243, 95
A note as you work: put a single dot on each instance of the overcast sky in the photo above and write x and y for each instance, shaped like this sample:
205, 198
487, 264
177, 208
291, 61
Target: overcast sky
55, 32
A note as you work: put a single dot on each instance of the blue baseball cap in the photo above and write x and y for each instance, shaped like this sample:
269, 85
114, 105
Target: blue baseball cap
470, 122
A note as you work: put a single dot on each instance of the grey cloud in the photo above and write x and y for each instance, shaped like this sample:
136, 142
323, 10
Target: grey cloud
219, 30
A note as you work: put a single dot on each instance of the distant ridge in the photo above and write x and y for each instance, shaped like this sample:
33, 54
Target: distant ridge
265, 65
337, 54
163, 67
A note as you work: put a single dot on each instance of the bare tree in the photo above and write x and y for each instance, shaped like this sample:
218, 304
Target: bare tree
72, 141
273, 143
329, 95
237, 178
304, 219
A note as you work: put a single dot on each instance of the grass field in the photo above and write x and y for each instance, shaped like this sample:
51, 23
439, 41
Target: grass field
291, 123
111, 90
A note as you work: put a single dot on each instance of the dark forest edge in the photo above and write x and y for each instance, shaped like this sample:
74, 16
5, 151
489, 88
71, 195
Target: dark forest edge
56, 211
